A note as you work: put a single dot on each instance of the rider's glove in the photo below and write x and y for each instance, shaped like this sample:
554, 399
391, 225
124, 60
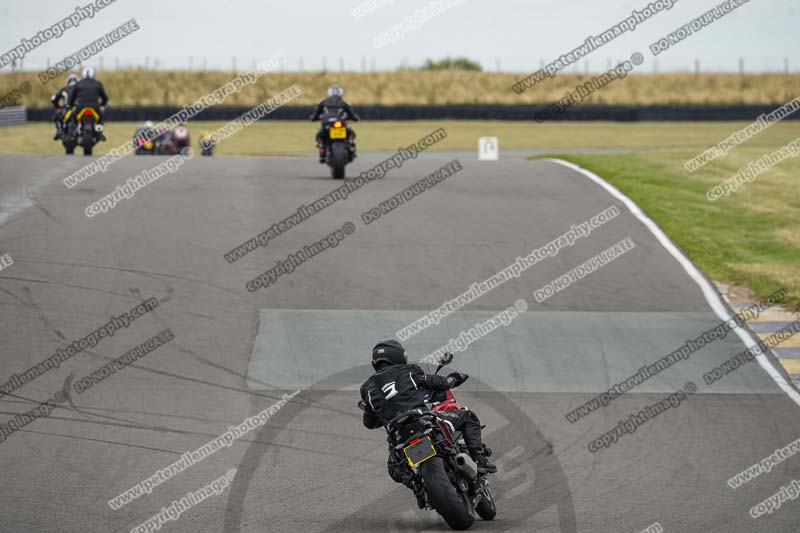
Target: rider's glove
456, 378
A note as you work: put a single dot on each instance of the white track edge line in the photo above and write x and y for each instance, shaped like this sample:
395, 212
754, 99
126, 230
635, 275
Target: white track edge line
712, 297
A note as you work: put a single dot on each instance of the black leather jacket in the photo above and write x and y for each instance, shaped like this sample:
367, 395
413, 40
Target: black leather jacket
334, 106
62, 94
88, 93
394, 389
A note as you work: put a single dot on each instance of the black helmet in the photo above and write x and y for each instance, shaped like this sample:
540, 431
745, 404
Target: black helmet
390, 352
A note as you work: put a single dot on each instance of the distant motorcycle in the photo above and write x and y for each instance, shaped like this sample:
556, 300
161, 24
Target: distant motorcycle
339, 145
206, 144
176, 141
444, 476
143, 144
84, 131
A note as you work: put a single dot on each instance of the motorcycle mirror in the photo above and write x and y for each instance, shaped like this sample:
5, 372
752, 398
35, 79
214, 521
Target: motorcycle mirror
445, 360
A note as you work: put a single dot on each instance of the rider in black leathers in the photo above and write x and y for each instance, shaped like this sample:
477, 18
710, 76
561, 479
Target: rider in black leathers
334, 106
59, 100
397, 387
89, 93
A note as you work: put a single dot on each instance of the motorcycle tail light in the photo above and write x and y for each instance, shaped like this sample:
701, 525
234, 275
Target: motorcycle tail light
414, 441
337, 124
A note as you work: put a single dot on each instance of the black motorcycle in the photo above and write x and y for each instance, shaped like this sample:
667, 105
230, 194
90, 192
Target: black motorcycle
339, 144
443, 475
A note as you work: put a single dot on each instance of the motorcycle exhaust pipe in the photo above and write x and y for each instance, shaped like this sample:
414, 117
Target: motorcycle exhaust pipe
466, 465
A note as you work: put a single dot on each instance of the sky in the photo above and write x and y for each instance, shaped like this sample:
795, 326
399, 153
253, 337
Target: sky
514, 35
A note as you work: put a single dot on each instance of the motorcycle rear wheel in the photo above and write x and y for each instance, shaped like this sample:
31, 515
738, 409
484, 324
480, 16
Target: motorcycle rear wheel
338, 159
486, 508
455, 508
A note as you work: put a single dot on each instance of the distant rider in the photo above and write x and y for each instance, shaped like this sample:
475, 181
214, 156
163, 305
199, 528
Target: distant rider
89, 93
334, 106
397, 387
59, 100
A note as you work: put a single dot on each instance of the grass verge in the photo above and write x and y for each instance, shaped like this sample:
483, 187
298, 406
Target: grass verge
272, 137
750, 238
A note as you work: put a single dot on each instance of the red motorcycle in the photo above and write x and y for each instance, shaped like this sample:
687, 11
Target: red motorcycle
443, 475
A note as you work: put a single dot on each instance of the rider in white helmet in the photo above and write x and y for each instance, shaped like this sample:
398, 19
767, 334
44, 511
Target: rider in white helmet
89, 93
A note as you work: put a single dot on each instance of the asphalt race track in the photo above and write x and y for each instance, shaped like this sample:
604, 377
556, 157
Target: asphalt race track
313, 467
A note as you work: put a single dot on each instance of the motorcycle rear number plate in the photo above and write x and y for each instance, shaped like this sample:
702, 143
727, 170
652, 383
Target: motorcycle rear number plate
338, 133
420, 451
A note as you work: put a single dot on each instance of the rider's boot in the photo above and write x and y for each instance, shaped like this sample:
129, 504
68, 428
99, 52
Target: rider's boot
57, 136
477, 450
321, 149
484, 466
